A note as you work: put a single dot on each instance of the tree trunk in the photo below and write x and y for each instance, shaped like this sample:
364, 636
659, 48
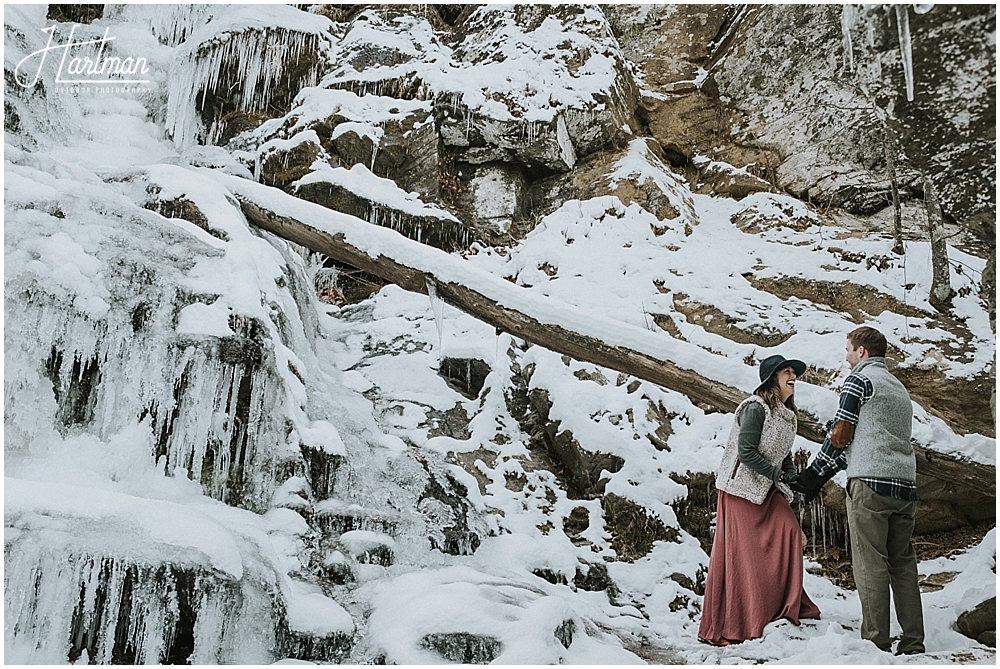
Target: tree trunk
533, 328
897, 217
941, 292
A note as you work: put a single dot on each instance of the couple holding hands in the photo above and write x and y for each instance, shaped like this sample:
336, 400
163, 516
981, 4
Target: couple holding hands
755, 571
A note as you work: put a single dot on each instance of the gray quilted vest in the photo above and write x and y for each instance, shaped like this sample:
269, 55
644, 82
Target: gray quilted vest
881, 445
775, 443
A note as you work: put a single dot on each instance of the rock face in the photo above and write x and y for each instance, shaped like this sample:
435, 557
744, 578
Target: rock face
782, 89
946, 128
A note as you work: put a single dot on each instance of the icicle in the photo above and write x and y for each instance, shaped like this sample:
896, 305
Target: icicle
905, 47
437, 306
847, 17
256, 54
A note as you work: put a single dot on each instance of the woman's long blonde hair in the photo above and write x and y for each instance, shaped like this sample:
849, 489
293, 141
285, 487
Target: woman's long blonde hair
768, 391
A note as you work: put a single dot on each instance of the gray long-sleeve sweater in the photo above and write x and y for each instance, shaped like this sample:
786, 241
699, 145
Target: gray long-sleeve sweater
751, 420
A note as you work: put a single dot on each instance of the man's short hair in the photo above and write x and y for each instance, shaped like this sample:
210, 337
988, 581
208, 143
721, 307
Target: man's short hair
870, 338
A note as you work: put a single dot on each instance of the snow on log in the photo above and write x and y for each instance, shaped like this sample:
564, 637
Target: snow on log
539, 320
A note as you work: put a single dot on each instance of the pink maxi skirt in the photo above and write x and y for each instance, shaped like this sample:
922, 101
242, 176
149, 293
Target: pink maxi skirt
755, 570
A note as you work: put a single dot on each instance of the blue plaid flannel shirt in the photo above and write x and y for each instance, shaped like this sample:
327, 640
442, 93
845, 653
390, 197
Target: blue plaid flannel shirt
856, 392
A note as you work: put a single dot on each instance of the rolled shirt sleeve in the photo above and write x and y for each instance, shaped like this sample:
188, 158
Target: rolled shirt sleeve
831, 459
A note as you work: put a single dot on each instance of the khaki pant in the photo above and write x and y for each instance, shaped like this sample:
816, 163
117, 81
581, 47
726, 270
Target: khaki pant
884, 559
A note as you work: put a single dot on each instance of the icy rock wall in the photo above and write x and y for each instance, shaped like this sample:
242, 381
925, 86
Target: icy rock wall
63, 604
99, 338
781, 62
272, 53
933, 69
171, 24
817, 86
207, 402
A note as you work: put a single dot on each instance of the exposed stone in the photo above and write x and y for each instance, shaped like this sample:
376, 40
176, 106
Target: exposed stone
717, 322
948, 130
551, 144
722, 179
336, 568
296, 60
945, 506
668, 42
354, 148
446, 505
494, 195
322, 470
574, 525
548, 150
75, 13
981, 619
467, 460
861, 302
331, 649
564, 633
593, 576
580, 469
592, 178
633, 529
661, 417
773, 212
553, 577
935, 582
408, 154
443, 232
281, 167
463, 647
453, 422
334, 517
369, 547
75, 390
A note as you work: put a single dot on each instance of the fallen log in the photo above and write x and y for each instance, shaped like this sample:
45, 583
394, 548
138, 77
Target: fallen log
580, 346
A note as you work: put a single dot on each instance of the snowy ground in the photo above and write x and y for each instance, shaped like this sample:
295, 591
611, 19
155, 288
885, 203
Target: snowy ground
371, 387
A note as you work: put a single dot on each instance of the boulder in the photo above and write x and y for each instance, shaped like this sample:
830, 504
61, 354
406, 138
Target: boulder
981, 622
636, 174
379, 201
495, 195
717, 178
463, 647
548, 114
281, 163
369, 547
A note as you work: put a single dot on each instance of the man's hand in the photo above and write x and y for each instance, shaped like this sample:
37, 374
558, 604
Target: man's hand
808, 483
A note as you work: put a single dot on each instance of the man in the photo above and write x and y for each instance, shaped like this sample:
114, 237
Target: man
871, 439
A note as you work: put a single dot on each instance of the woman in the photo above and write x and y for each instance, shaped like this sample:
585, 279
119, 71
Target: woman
755, 571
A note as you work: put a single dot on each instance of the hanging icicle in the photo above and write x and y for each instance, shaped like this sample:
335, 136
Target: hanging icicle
905, 48
848, 15
437, 306
255, 58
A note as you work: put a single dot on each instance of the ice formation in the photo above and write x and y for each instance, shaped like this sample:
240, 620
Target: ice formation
905, 47
260, 44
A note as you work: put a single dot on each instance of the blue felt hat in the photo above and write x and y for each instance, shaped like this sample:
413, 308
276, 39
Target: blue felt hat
772, 364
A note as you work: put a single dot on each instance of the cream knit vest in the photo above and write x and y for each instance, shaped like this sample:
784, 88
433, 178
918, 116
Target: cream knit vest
775, 443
